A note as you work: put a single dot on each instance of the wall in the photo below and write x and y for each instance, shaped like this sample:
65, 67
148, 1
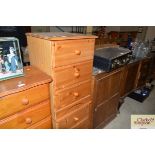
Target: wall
128, 28
65, 28
150, 33
40, 28
69, 28
51, 28
112, 28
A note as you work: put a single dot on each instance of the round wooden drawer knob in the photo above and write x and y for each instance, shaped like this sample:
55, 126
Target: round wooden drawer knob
28, 120
77, 52
76, 74
25, 101
95, 109
76, 119
76, 94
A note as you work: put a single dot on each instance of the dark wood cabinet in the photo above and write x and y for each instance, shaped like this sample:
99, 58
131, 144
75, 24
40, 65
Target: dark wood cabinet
129, 78
135, 75
152, 66
143, 72
106, 93
109, 89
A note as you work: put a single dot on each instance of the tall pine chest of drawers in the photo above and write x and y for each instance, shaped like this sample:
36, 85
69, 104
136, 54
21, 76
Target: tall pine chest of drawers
68, 58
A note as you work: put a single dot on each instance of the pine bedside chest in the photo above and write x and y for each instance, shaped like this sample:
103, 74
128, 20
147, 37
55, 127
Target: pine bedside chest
25, 101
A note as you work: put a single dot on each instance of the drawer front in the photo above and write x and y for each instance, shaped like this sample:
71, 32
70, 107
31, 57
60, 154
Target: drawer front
72, 51
22, 100
43, 124
73, 94
27, 117
72, 119
65, 76
84, 124
72, 107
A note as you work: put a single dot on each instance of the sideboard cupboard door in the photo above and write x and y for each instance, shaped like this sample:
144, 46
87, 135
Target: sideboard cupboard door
115, 81
143, 72
106, 92
102, 90
132, 72
105, 112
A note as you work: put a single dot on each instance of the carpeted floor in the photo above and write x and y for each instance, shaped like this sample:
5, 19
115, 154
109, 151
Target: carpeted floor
129, 107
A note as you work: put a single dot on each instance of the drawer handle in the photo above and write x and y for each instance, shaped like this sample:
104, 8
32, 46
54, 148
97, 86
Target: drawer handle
76, 119
76, 94
77, 52
95, 109
28, 120
77, 74
25, 101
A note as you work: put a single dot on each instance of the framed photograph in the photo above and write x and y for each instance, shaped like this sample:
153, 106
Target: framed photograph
10, 58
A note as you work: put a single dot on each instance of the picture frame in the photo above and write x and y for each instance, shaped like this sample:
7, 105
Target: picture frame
10, 58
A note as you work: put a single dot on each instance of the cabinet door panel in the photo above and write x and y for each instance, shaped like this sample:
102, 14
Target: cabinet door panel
105, 110
102, 90
131, 77
115, 83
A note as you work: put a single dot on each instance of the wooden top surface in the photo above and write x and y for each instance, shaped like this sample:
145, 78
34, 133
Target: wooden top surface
32, 77
54, 36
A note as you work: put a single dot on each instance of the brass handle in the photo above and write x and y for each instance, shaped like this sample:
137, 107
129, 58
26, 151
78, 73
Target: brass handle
76, 74
25, 101
28, 120
76, 119
77, 52
76, 94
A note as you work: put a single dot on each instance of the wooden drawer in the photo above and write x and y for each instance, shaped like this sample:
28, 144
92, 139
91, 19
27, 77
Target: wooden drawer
72, 107
43, 124
74, 118
72, 94
27, 117
19, 101
72, 51
84, 124
65, 76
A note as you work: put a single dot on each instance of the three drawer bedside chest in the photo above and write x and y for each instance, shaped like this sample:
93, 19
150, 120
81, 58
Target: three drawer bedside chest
68, 58
25, 101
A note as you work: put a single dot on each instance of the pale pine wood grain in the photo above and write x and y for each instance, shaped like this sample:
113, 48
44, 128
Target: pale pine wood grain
34, 114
